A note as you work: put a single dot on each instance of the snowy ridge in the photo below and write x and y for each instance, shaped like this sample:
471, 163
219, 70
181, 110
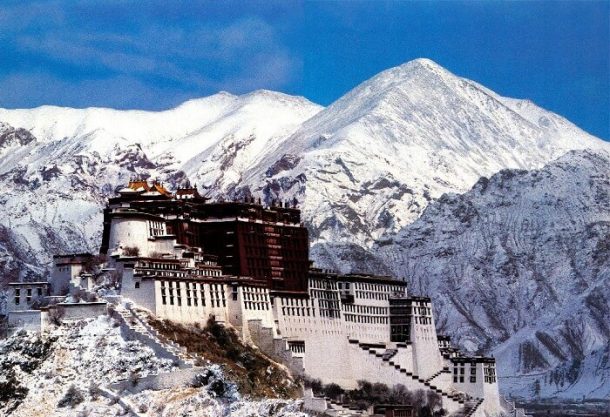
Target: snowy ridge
363, 169
370, 163
58, 181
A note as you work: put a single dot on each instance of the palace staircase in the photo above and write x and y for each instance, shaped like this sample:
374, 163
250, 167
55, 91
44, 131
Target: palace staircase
461, 404
337, 409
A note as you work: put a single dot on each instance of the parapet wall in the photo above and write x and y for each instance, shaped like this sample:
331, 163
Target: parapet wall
79, 311
30, 320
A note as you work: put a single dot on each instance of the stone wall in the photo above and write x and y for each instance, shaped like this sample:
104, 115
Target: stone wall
160, 351
275, 347
166, 380
30, 320
79, 311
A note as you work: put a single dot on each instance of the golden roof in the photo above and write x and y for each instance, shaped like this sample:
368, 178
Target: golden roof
137, 184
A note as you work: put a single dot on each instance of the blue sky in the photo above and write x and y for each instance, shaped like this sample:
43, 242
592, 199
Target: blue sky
156, 54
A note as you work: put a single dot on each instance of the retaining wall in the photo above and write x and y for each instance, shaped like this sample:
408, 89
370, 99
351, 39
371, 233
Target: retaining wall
157, 382
27, 319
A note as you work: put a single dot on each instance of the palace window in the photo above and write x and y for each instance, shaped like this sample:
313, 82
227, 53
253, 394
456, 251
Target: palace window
163, 293
458, 373
171, 293
188, 294
194, 294
155, 228
297, 346
490, 373
17, 295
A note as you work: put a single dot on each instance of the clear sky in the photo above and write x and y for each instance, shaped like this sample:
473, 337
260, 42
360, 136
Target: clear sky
155, 55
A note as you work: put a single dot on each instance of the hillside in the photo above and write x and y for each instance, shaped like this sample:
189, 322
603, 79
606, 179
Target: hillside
76, 370
519, 266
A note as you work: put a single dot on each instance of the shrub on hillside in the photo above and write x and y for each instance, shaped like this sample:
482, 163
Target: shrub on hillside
315, 384
426, 403
333, 391
56, 315
213, 380
94, 391
71, 398
134, 378
131, 251
11, 390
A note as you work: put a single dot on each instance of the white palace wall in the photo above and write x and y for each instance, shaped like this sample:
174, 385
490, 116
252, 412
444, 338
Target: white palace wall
404, 357
148, 236
140, 291
320, 335
427, 359
191, 302
473, 379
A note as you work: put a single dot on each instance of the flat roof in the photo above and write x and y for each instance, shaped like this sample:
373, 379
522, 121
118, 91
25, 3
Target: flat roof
206, 278
355, 277
409, 299
471, 359
385, 279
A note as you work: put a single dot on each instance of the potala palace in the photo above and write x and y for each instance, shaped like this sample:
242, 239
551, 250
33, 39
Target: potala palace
246, 265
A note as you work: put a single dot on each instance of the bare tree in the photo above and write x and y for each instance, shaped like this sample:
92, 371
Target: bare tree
434, 400
56, 314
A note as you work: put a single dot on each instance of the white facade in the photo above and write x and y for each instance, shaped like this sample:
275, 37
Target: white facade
145, 233
23, 294
341, 329
339, 332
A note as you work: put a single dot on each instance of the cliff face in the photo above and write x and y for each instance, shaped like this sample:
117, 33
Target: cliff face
519, 266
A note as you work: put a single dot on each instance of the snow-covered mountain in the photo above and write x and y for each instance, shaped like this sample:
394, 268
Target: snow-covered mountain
59, 165
519, 266
363, 169
369, 164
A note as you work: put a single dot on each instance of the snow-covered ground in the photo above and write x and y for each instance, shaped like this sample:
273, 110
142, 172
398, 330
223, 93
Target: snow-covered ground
91, 355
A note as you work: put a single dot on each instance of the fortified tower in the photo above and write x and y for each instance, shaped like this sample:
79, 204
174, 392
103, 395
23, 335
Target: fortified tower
412, 323
248, 239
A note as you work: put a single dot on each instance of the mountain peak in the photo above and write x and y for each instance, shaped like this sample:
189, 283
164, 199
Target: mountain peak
276, 96
417, 69
425, 63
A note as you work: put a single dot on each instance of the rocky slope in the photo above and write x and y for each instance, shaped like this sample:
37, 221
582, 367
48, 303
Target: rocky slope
363, 169
70, 372
519, 266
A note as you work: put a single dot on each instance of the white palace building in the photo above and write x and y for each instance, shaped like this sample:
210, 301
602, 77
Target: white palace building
186, 259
